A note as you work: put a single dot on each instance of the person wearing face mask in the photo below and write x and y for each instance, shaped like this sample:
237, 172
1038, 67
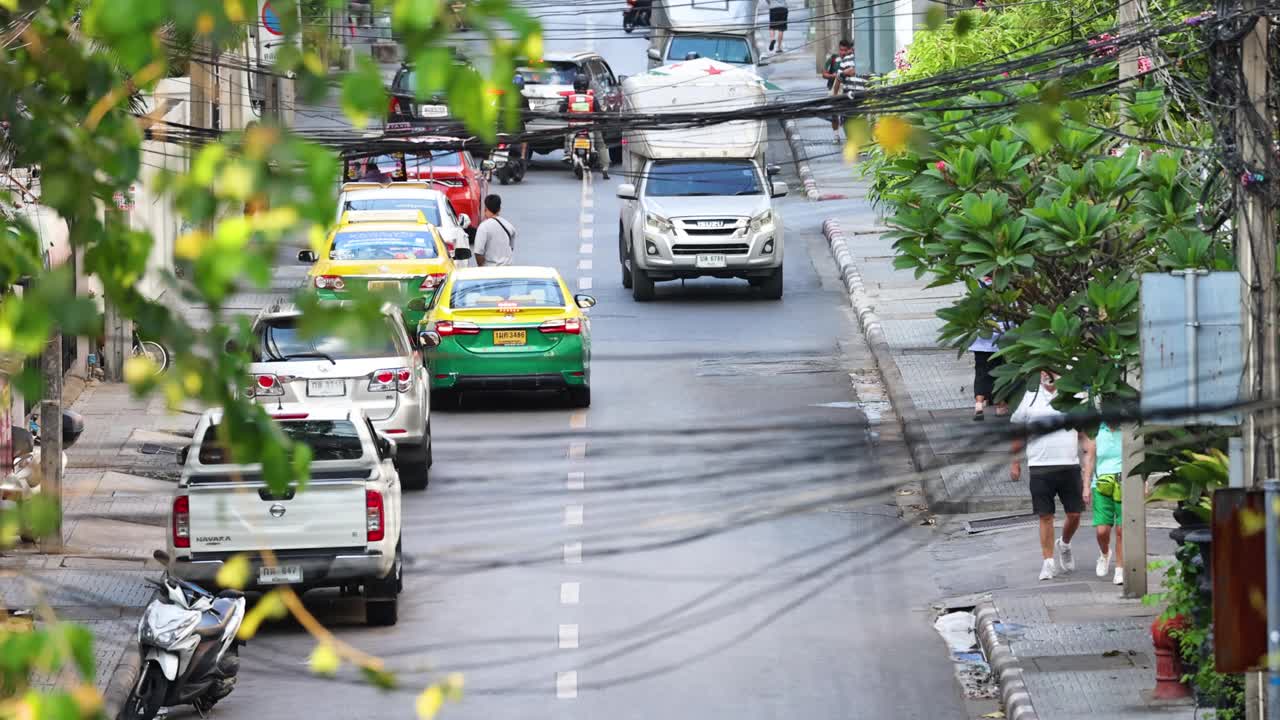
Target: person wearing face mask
1060, 463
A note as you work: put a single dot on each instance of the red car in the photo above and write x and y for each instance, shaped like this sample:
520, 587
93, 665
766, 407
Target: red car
462, 179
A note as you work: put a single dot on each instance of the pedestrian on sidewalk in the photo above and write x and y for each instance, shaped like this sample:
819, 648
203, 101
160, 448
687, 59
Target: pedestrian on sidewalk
777, 23
496, 237
839, 67
1105, 490
984, 365
1055, 466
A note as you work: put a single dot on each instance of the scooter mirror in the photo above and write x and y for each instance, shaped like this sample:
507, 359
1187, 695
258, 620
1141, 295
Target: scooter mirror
72, 428
161, 557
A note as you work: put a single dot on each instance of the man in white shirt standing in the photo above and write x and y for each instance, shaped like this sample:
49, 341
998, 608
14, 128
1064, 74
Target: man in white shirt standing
1056, 468
495, 238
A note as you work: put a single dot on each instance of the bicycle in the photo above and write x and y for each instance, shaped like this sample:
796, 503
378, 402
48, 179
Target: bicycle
151, 350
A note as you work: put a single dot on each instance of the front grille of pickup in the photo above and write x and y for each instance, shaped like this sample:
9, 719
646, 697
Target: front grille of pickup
720, 249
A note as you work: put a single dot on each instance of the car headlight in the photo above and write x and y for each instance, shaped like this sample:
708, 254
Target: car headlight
658, 224
762, 220
164, 625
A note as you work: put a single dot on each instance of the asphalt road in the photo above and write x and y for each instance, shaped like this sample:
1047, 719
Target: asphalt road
709, 539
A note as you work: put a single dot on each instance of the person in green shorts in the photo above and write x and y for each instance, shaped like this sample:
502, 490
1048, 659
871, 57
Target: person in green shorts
1105, 490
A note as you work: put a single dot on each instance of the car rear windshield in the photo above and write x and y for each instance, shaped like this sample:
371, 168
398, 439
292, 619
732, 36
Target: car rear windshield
679, 178
555, 73
427, 206
328, 440
279, 341
724, 49
420, 159
383, 245
524, 292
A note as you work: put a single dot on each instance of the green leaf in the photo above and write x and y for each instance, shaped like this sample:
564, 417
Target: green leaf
963, 24
363, 95
381, 679
79, 640
934, 17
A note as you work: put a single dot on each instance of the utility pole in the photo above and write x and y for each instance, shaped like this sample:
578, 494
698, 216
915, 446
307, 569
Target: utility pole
1133, 514
1255, 258
51, 437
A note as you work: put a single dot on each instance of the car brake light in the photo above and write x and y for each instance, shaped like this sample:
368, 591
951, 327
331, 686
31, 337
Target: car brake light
571, 326
373, 515
267, 386
330, 282
393, 107
399, 379
291, 416
181, 522
432, 281
445, 327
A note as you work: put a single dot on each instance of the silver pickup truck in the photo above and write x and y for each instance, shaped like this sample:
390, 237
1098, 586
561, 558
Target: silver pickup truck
341, 530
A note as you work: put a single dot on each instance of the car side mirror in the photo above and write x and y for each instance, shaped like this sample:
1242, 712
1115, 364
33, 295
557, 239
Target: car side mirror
418, 304
307, 256
387, 447
622, 79
779, 189
461, 253
762, 62
488, 165
429, 339
464, 221
626, 191
584, 301
182, 455
654, 54
772, 170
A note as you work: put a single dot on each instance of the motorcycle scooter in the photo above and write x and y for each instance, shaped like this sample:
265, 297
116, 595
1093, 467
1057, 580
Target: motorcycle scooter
584, 155
190, 654
508, 168
636, 15
24, 483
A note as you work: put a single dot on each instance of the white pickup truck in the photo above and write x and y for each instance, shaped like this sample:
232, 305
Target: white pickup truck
341, 530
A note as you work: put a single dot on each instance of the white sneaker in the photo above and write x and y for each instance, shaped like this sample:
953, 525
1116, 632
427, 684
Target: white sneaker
1066, 561
1104, 564
1047, 569
1119, 577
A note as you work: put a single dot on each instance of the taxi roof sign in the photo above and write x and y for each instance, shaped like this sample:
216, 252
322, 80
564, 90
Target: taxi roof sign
366, 216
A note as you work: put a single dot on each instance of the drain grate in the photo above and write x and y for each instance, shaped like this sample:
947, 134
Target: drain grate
999, 523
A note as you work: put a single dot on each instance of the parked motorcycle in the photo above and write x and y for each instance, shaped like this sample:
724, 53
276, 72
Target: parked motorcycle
190, 654
585, 155
508, 167
24, 482
637, 14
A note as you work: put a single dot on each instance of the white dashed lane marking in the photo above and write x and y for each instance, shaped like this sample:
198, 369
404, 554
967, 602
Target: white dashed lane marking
584, 283
576, 481
569, 637
573, 515
586, 248
567, 685
584, 264
573, 553
578, 420
577, 449
569, 593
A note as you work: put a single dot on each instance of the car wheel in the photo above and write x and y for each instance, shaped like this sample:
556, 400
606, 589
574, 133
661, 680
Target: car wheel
430, 458
641, 285
615, 154
381, 613
412, 464
580, 396
381, 603
622, 258
771, 287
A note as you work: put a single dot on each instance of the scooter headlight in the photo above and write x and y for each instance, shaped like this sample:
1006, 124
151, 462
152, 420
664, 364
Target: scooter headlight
165, 625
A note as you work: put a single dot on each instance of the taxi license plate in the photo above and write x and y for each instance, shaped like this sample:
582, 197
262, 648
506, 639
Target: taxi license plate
711, 261
280, 575
433, 110
383, 285
326, 388
582, 143
509, 337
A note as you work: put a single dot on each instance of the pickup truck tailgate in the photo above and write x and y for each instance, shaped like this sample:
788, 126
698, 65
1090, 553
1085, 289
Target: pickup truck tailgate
229, 513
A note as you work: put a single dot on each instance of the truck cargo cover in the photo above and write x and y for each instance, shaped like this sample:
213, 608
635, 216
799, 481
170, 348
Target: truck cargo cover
701, 85
736, 17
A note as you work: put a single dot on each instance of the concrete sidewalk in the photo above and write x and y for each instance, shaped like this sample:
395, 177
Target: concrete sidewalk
115, 509
1067, 648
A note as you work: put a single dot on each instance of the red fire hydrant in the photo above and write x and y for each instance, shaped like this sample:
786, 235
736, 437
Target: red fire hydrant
1169, 685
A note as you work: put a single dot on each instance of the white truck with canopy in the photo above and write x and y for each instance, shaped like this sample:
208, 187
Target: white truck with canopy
722, 30
698, 201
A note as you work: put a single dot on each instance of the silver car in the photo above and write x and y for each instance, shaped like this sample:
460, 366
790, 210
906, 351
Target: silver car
379, 373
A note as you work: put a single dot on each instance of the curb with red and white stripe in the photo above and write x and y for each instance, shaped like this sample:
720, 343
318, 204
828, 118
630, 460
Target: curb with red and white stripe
802, 160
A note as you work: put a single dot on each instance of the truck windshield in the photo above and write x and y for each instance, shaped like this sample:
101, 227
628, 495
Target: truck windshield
701, 177
328, 440
715, 47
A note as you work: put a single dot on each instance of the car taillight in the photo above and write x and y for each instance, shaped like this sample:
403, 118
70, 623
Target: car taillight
267, 386
373, 515
571, 326
330, 282
393, 107
432, 281
445, 327
181, 522
399, 379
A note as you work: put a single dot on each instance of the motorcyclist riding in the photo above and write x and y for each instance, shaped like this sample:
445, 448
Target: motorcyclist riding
518, 84
582, 100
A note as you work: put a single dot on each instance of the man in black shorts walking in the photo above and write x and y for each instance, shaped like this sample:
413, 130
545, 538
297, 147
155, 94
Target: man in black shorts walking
1056, 469
777, 23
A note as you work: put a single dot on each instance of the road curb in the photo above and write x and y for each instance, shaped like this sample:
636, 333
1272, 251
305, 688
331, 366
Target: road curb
802, 160
921, 452
122, 679
1004, 665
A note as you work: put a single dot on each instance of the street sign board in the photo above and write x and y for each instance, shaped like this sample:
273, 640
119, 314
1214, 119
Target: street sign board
1192, 347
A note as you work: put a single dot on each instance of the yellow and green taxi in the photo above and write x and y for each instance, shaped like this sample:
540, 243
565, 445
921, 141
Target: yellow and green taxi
383, 251
507, 328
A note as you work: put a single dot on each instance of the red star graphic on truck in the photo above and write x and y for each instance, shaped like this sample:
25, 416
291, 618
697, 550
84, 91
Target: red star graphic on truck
713, 70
